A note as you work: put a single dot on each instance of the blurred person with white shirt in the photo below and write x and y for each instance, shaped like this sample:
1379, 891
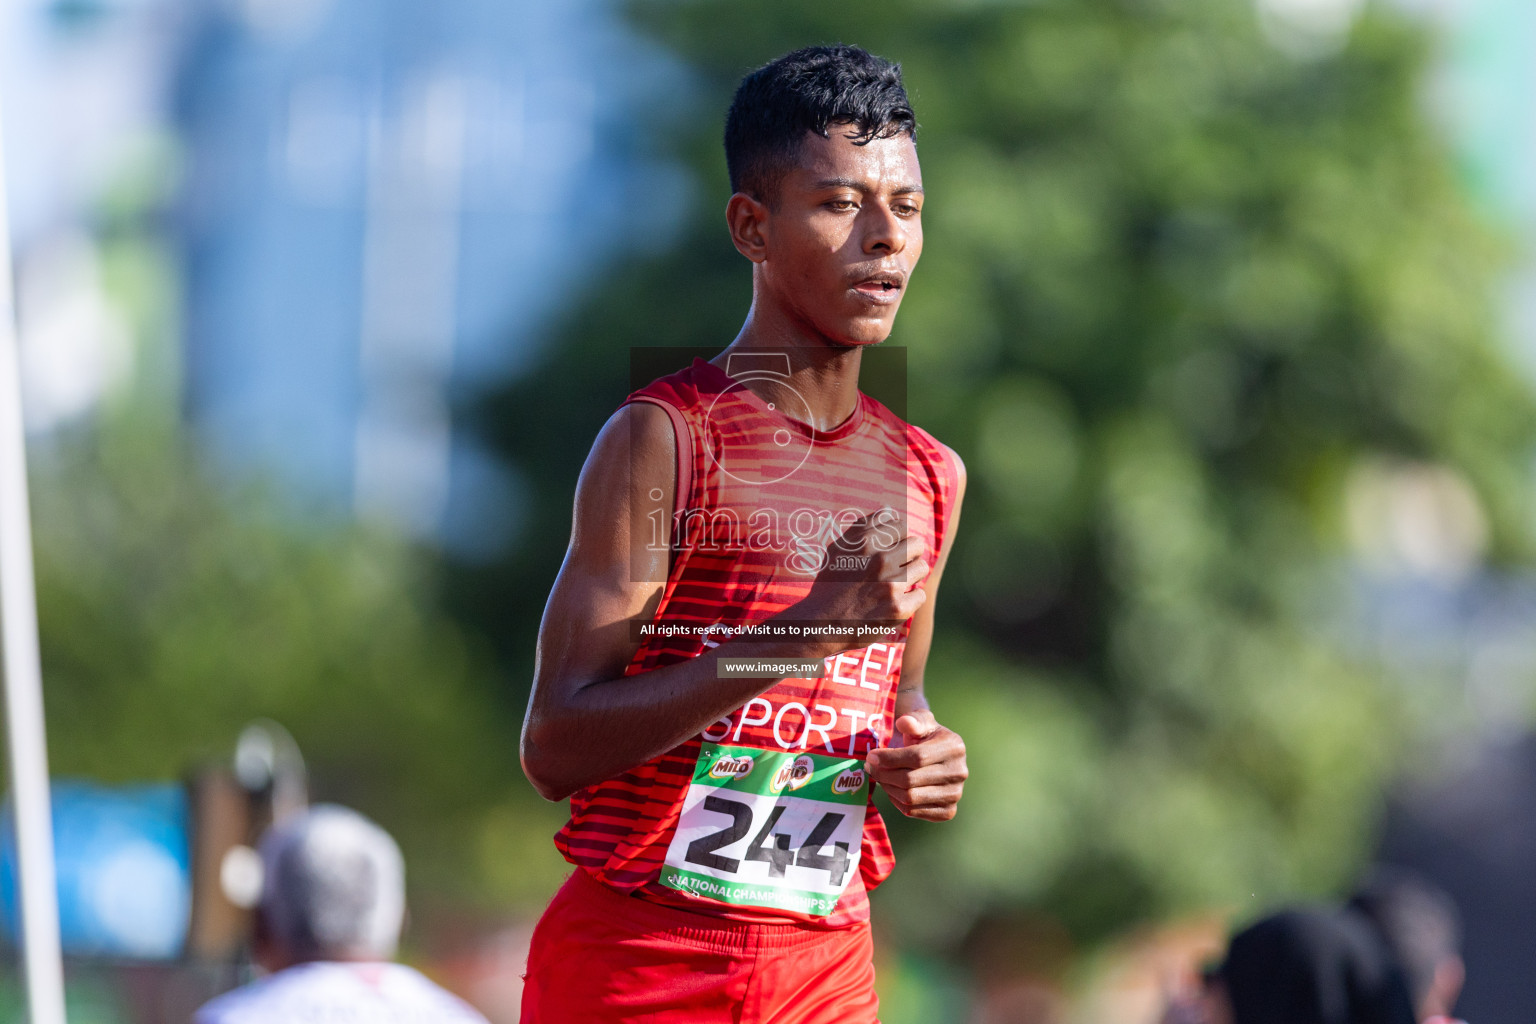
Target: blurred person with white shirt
332, 905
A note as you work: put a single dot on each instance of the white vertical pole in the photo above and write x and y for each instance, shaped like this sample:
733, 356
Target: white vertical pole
25, 738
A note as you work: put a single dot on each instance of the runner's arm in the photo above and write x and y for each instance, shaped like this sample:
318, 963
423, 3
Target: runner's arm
586, 720
909, 692
925, 776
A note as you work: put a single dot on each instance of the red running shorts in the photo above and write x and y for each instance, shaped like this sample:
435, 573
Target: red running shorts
599, 957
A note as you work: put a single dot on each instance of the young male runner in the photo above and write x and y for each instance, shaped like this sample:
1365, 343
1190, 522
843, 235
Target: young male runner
755, 507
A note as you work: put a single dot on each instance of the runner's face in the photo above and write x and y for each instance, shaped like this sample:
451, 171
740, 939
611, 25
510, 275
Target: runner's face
844, 236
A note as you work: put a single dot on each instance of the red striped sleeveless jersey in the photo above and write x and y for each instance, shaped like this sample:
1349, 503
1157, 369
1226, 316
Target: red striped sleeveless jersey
720, 825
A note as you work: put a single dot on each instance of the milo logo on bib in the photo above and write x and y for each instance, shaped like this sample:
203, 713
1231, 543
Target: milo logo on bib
768, 828
851, 781
793, 774
727, 767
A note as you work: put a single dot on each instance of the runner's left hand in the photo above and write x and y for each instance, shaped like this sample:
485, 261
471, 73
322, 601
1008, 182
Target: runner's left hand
926, 774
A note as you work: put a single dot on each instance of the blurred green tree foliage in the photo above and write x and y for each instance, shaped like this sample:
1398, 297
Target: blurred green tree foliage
1177, 285
174, 611
177, 602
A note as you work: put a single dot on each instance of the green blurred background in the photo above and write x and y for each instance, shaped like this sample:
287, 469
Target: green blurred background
1221, 304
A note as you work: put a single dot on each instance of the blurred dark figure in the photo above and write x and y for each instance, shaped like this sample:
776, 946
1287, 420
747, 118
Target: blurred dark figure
1302, 967
1472, 832
1422, 928
332, 903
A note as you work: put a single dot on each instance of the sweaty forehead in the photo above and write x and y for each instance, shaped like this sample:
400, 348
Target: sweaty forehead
879, 164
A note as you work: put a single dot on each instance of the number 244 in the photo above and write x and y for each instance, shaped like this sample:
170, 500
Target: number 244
779, 855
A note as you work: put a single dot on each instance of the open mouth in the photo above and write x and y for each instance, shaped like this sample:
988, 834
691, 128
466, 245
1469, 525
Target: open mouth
881, 288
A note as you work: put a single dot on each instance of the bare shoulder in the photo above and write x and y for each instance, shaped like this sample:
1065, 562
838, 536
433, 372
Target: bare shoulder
647, 425
637, 434
632, 469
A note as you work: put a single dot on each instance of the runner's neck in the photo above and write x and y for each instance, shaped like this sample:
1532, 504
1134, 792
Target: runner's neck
826, 378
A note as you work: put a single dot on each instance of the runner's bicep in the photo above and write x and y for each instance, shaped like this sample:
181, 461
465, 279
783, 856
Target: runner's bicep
621, 523
586, 635
613, 571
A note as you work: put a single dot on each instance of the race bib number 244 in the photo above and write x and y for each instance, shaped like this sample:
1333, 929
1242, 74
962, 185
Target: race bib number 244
769, 828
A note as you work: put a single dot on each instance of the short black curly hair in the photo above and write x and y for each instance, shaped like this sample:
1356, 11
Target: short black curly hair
806, 91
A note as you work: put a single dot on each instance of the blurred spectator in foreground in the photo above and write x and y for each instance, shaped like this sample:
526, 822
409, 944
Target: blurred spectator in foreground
1471, 828
332, 904
1423, 930
1305, 966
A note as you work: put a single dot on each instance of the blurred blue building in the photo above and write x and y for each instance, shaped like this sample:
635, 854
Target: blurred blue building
379, 203
383, 199
124, 870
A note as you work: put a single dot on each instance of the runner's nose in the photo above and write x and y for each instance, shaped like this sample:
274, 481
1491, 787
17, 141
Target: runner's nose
885, 234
